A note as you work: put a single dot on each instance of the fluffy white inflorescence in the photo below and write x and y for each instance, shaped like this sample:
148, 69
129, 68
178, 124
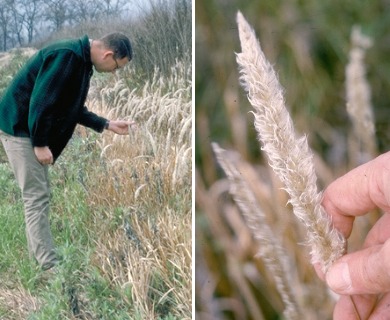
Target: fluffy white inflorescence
289, 156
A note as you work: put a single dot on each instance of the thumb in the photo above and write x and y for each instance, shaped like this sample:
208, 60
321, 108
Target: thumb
362, 272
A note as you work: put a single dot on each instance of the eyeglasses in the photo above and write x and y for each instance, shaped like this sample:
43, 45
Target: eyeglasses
116, 62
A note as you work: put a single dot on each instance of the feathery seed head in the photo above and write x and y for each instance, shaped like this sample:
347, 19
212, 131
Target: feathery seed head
289, 156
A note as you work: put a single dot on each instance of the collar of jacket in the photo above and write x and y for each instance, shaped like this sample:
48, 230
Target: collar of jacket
87, 53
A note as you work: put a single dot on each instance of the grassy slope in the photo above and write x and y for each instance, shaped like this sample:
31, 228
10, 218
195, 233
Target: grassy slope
121, 217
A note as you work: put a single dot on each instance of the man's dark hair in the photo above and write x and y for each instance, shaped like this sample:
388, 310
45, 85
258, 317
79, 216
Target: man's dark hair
119, 44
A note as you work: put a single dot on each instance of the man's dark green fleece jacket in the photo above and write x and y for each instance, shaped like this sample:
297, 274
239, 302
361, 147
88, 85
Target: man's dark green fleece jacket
45, 100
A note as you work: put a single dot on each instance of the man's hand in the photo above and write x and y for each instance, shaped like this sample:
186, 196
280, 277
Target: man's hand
362, 277
43, 155
120, 126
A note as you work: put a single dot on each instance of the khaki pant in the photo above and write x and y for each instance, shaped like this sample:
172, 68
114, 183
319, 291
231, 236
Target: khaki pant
33, 180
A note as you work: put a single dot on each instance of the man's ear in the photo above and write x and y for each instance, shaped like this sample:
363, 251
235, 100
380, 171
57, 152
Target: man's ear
108, 53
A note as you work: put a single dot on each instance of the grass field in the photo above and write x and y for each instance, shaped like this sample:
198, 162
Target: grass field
120, 214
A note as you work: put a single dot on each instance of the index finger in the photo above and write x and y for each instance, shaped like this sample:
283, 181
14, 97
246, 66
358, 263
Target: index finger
357, 192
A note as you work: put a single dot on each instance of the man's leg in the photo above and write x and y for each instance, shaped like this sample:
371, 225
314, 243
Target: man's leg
33, 181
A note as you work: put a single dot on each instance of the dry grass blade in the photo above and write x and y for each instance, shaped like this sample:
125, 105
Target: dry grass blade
271, 250
289, 156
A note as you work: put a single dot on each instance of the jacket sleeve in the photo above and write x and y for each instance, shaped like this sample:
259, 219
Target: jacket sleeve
91, 120
55, 81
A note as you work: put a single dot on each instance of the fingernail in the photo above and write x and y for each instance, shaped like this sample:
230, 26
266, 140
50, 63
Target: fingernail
339, 278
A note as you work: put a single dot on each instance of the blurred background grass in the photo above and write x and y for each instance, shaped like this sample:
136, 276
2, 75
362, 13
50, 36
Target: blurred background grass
308, 43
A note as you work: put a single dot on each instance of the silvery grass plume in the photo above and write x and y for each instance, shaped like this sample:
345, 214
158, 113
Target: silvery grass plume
270, 249
358, 92
289, 156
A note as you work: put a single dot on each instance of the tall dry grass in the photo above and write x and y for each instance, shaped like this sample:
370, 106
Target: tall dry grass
139, 190
146, 182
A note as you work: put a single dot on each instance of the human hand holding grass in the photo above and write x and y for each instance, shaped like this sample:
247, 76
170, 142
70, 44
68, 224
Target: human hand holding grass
121, 126
364, 274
